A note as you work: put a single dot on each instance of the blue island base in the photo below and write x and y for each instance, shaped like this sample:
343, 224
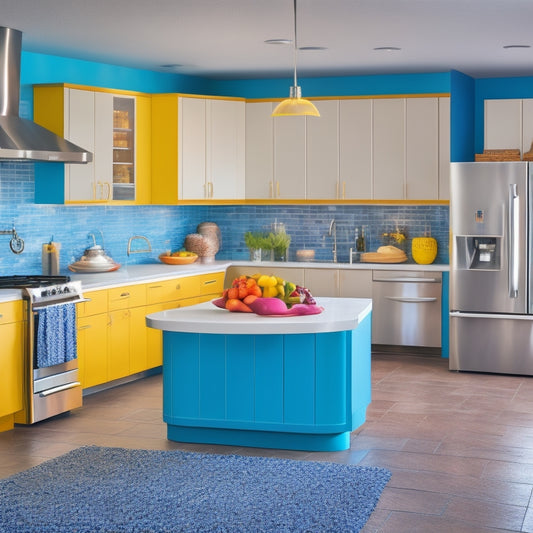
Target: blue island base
261, 439
289, 391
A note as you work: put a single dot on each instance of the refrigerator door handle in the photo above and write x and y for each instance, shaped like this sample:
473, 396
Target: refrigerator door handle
514, 217
497, 316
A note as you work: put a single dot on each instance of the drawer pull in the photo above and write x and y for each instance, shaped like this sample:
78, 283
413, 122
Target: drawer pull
411, 300
87, 326
210, 281
178, 287
155, 287
1, 316
125, 295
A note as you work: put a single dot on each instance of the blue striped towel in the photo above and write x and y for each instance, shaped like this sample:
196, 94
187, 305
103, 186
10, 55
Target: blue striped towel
56, 335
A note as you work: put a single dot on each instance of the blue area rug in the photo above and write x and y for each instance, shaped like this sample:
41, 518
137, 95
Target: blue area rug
95, 489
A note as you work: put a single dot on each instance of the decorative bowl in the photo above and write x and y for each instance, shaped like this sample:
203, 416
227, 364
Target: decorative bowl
177, 260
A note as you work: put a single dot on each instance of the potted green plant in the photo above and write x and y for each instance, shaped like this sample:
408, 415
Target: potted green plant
256, 241
280, 244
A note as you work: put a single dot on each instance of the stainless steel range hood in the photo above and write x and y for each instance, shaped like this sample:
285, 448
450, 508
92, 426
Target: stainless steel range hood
20, 138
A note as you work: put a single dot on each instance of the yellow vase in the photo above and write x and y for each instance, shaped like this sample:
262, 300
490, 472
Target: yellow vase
424, 250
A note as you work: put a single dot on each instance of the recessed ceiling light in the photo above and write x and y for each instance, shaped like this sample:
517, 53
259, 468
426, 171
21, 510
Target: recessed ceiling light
312, 48
507, 46
387, 48
278, 41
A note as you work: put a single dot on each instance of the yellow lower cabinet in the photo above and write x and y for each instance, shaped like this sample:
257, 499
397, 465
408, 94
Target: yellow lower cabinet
138, 340
119, 344
93, 349
210, 286
11, 357
154, 339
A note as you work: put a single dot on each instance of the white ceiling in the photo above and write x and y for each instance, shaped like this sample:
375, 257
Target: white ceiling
225, 38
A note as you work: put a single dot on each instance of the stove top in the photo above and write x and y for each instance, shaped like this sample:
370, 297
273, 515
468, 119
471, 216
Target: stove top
31, 281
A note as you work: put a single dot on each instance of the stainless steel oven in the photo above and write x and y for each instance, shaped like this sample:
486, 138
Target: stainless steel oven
51, 385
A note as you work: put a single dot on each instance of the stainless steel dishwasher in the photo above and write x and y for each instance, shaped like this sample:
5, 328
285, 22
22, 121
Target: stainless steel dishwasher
406, 308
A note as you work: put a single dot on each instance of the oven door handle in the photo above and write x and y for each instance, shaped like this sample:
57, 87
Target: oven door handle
59, 389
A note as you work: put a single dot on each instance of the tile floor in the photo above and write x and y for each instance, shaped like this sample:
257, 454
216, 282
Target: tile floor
459, 445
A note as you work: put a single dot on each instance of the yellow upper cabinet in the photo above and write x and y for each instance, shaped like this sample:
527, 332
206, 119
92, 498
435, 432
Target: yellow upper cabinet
114, 126
198, 148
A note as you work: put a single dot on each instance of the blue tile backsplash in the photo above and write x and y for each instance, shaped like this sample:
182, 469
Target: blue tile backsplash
167, 226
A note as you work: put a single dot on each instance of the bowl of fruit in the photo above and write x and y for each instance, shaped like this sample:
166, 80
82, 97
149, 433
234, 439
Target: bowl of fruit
181, 257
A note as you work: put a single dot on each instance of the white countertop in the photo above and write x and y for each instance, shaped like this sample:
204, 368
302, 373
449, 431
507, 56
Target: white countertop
343, 266
135, 274
340, 314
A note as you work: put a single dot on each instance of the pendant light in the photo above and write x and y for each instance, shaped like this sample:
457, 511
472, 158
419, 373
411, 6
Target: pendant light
295, 105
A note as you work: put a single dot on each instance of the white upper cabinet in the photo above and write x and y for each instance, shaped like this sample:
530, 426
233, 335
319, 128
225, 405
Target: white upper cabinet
322, 152
355, 149
289, 157
211, 147
503, 124
444, 148
80, 181
358, 149
388, 141
90, 124
259, 150
422, 148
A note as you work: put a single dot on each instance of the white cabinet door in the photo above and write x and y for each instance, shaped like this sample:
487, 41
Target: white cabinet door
527, 125
103, 145
355, 283
289, 157
79, 117
192, 148
422, 148
259, 150
355, 149
503, 124
389, 148
225, 149
322, 152
444, 148
322, 281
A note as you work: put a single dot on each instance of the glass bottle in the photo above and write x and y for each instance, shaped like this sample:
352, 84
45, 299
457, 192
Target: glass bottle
360, 243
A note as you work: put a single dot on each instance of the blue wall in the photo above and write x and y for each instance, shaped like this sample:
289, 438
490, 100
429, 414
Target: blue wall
166, 226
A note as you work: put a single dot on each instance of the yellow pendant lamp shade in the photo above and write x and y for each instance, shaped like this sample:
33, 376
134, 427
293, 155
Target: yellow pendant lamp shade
295, 105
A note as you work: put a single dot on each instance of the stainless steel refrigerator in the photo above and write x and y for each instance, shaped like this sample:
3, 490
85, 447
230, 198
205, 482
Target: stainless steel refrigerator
491, 305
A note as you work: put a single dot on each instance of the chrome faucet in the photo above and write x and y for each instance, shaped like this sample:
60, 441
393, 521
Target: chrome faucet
333, 233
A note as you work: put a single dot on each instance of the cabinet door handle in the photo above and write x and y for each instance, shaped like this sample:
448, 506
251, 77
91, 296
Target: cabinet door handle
337, 190
81, 328
277, 189
178, 287
210, 189
343, 190
271, 188
94, 190
108, 186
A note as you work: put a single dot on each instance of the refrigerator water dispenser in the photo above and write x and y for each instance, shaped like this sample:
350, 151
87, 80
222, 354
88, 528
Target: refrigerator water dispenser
476, 252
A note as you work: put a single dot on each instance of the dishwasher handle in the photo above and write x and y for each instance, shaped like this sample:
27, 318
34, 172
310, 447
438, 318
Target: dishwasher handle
410, 300
408, 280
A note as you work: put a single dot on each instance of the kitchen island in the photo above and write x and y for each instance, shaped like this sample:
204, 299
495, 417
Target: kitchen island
300, 382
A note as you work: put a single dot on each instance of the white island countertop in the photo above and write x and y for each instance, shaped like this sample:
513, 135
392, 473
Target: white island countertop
340, 314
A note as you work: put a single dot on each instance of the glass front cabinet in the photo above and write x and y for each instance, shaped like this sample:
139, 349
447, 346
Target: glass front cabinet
123, 148
115, 127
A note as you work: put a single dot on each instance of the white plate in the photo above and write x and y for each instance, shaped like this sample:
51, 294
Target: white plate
80, 266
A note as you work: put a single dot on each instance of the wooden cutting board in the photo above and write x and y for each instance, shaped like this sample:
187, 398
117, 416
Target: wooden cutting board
375, 257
